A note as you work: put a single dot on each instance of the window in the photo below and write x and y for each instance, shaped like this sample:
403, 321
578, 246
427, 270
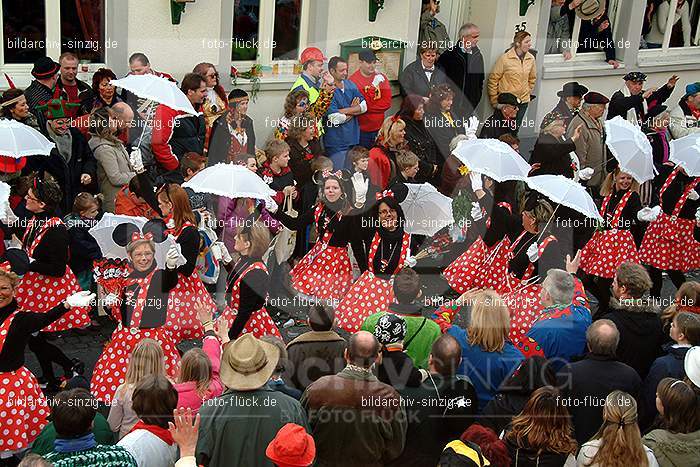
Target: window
267, 31
76, 26
663, 30
568, 35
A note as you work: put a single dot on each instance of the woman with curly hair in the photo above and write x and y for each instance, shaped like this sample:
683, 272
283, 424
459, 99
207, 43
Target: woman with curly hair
618, 442
542, 434
442, 124
295, 104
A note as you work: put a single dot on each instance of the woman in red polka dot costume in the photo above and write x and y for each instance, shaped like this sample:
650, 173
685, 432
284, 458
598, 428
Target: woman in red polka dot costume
615, 243
23, 408
141, 302
324, 272
172, 203
372, 292
248, 283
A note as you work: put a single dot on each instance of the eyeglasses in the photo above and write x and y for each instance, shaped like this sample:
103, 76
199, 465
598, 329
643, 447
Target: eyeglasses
303, 103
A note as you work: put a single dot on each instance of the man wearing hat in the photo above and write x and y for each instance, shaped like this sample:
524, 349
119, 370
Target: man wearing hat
590, 145
685, 118
233, 132
71, 163
317, 82
569, 102
41, 90
241, 423
596, 34
292, 447
376, 90
502, 121
632, 102
355, 418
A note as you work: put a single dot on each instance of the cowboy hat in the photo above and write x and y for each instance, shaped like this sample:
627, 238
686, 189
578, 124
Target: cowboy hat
590, 9
248, 363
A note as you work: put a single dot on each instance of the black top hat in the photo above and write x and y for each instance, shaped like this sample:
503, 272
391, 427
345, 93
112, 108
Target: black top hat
572, 88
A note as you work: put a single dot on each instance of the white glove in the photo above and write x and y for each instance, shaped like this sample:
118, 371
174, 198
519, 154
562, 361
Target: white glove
15, 242
697, 215
171, 257
586, 173
8, 216
136, 161
410, 261
476, 212
477, 183
80, 299
170, 224
271, 205
470, 129
693, 195
649, 214
220, 252
361, 185
533, 252
378, 78
110, 300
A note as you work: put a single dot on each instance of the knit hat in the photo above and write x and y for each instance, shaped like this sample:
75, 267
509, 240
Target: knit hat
635, 76
692, 88
58, 108
595, 98
292, 447
390, 329
45, 68
462, 454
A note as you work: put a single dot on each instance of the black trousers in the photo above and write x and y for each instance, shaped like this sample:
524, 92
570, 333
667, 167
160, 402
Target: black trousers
677, 277
47, 353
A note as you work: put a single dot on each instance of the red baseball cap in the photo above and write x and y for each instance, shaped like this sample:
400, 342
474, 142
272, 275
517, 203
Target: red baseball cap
312, 53
292, 447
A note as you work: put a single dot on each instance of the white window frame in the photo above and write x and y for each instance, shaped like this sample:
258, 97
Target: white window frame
266, 30
667, 55
21, 72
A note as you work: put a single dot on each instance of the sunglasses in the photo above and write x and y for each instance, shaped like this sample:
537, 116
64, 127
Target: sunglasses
303, 103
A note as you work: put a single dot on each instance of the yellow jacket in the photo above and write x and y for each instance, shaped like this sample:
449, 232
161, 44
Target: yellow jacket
512, 75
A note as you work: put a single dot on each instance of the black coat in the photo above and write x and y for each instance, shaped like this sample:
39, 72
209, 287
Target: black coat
442, 132
619, 104
667, 366
641, 335
465, 72
496, 126
67, 175
438, 411
220, 139
553, 156
585, 385
300, 159
397, 370
423, 145
37, 94
188, 135
413, 79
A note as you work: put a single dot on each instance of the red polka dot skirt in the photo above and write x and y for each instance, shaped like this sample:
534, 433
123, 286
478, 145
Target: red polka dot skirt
669, 244
607, 250
110, 370
40, 293
368, 295
23, 409
259, 324
524, 307
324, 272
479, 267
182, 318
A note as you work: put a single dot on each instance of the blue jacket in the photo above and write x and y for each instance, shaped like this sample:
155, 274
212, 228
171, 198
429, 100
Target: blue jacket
342, 137
486, 370
668, 366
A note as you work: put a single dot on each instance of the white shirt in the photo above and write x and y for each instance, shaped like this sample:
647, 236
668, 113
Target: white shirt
148, 449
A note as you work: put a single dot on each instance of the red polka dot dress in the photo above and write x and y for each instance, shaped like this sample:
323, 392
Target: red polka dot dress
325, 271
370, 294
40, 293
110, 369
668, 242
609, 248
260, 323
23, 407
522, 296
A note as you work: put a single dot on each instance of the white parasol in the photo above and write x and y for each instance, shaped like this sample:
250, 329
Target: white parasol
565, 191
230, 180
685, 152
426, 210
493, 158
631, 148
155, 88
20, 140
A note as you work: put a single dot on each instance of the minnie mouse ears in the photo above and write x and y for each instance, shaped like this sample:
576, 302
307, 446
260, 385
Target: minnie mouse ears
127, 232
320, 176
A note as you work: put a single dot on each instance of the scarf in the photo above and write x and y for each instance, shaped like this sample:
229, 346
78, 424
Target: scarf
211, 97
161, 433
64, 143
75, 444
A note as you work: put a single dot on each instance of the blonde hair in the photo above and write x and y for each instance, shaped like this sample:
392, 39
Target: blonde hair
10, 276
196, 366
259, 237
620, 439
608, 186
274, 148
146, 359
389, 128
490, 322
406, 159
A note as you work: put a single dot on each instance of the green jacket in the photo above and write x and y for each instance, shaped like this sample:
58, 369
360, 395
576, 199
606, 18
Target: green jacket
237, 426
425, 330
432, 30
43, 444
674, 449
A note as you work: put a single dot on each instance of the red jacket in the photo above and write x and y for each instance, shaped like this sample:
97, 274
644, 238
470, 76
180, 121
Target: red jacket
379, 168
163, 124
378, 101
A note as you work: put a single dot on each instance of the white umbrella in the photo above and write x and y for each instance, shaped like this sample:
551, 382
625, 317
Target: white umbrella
230, 180
493, 158
426, 210
20, 140
565, 191
685, 152
102, 233
157, 89
4, 193
631, 148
